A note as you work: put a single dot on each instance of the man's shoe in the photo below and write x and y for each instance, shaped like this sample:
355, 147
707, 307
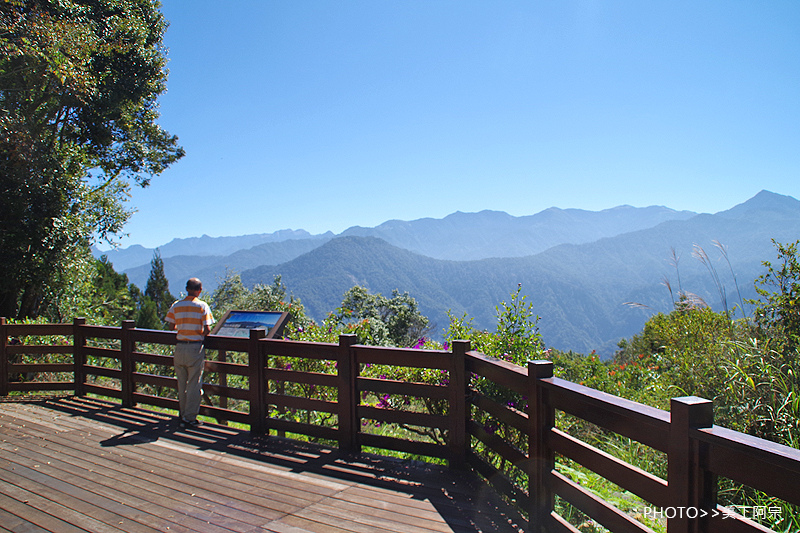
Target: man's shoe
191, 423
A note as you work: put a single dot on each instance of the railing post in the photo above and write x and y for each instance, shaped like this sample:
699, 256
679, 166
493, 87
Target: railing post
3, 358
541, 419
127, 365
222, 381
691, 488
347, 371
457, 389
257, 361
79, 355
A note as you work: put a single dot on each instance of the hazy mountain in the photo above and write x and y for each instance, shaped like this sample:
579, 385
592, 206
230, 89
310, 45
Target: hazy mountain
136, 255
579, 290
459, 236
466, 236
213, 267
579, 269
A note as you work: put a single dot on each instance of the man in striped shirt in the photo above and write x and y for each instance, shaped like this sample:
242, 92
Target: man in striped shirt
192, 319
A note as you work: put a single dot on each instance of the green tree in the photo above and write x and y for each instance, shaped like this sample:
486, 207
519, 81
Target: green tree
147, 316
232, 294
112, 299
393, 321
777, 313
79, 81
516, 338
157, 288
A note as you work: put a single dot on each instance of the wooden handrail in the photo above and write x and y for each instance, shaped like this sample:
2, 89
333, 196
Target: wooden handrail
697, 450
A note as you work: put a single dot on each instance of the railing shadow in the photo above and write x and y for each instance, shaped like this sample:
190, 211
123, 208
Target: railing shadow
464, 501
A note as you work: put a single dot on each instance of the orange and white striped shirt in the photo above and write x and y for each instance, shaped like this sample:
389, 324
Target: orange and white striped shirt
190, 316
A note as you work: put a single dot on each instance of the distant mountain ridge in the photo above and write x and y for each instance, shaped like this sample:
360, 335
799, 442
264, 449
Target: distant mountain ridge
137, 255
467, 236
459, 236
579, 291
578, 272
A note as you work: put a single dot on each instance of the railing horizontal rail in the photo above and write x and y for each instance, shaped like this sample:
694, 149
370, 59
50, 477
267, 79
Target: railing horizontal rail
644, 484
303, 350
378, 355
103, 371
157, 381
226, 392
428, 449
396, 416
499, 371
557, 524
23, 330
499, 481
234, 369
606, 514
101, 332
306, 378
152, 359
299, 402
231, 344
503, 413
104, 391
642, 423
30, 386
764, 465
497, 444
302, 428
22, 368
39, 349
392, 386
102, 352
152, 336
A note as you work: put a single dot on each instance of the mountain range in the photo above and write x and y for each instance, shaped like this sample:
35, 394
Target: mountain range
578, 268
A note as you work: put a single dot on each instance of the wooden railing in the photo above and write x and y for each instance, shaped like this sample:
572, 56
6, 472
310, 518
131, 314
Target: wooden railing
520, 462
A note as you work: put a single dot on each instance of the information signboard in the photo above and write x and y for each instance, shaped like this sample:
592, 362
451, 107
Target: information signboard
239, 323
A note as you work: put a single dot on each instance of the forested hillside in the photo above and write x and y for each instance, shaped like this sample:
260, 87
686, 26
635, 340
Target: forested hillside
579, 291
460, 236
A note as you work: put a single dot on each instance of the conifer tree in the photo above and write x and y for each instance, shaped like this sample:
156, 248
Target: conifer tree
157, 288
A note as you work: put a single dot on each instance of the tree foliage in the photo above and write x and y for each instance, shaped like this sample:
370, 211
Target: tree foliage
778, 311
231, 294
157, 288
79, 81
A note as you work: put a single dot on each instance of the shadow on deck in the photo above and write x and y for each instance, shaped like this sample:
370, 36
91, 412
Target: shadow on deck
72, 463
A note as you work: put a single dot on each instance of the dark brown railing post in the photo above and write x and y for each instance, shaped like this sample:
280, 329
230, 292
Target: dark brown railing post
126, 362
79, 355
692, 490
541, 419
347, 371
3, 358
222, 381
257, 360
457, 389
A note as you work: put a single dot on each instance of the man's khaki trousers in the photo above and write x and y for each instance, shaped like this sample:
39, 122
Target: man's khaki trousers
189, 360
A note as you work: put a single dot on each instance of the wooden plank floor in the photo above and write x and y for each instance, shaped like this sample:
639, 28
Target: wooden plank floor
76, 464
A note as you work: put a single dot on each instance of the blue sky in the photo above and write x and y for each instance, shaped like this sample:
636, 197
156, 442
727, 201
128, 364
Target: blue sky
321, 115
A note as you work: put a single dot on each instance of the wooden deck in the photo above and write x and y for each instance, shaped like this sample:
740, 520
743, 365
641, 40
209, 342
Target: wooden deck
78, 464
